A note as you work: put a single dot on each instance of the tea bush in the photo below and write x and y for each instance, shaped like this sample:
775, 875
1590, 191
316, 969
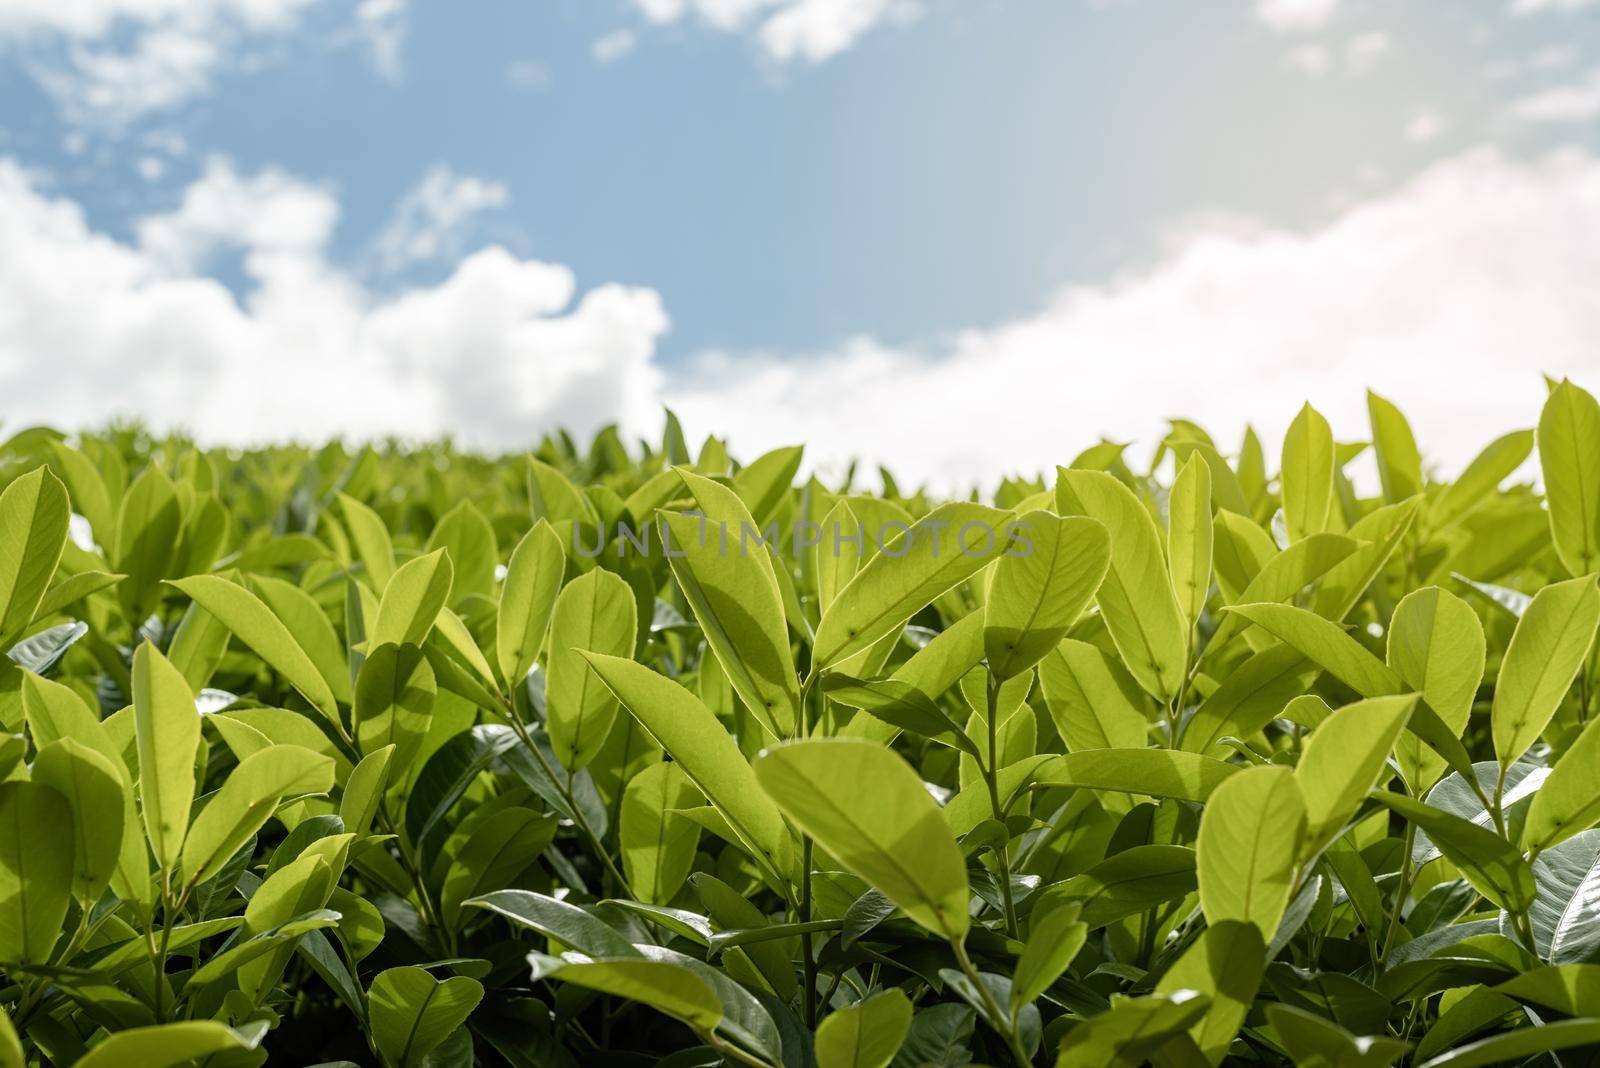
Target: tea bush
623, 755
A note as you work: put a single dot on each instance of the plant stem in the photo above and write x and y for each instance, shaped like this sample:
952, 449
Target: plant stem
998, 1019
1402, 889
731, 1052
417, 883
808, 945
991, 776
805, 939
578, 818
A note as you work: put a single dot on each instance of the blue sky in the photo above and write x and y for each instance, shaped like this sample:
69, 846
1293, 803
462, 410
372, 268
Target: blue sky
792, 217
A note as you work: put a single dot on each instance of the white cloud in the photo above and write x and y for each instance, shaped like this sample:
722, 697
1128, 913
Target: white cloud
1577, 102
431, 220
1553, 57
1448, 295
383, 24
1312, 60
1424, 127
613, 46
1534, 7
92, 328
528, 74
1295, 16
816, 30
268, 213
109, 62
1361, 52
813, 30
1365, 49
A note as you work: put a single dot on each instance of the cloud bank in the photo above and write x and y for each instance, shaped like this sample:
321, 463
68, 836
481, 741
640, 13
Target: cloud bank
1449, 295
812, 30
93, 329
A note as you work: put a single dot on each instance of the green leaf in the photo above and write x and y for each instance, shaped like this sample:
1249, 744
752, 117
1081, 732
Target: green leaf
1381, 531
411, 601
1131, 1031
148, 524
304, 618
1345, 757
1399, 462
36, 870
1325, 644
470, 545
11, 1055
172, 1044
167, 734
412, 1012
254, 624
871, 812
1253, 695
1136, 599
560, 921
1499, 459
657, 843
55, 712
1226, 965
533, 581
93, 788
1035, 598
247, 799
371, 540
1053, 940
363, 790
722, 565
1567, 802
554, 496
1189, 536
1152, 772
499, 847
940, 551
1436, 646
394, 700
866, 1034
294, 891
1517, 1046
690, 733
663, 985
595, 614
1132, 881
1284, 575
1570, 989
33, 531
1315, 1042
1306, 474
1569, 458
1492, 865
1251, 836
1547, 649
1093, 700
69, 591
763, 482
1566, 912
916, 686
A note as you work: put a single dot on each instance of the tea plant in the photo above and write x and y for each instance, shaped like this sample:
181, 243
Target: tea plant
410, 757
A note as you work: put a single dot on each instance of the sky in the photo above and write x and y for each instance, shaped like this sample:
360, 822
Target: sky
965, 238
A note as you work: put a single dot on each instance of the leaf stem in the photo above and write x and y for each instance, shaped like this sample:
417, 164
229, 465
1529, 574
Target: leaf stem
998, 1019
991, 779
808, 945
1402, 889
